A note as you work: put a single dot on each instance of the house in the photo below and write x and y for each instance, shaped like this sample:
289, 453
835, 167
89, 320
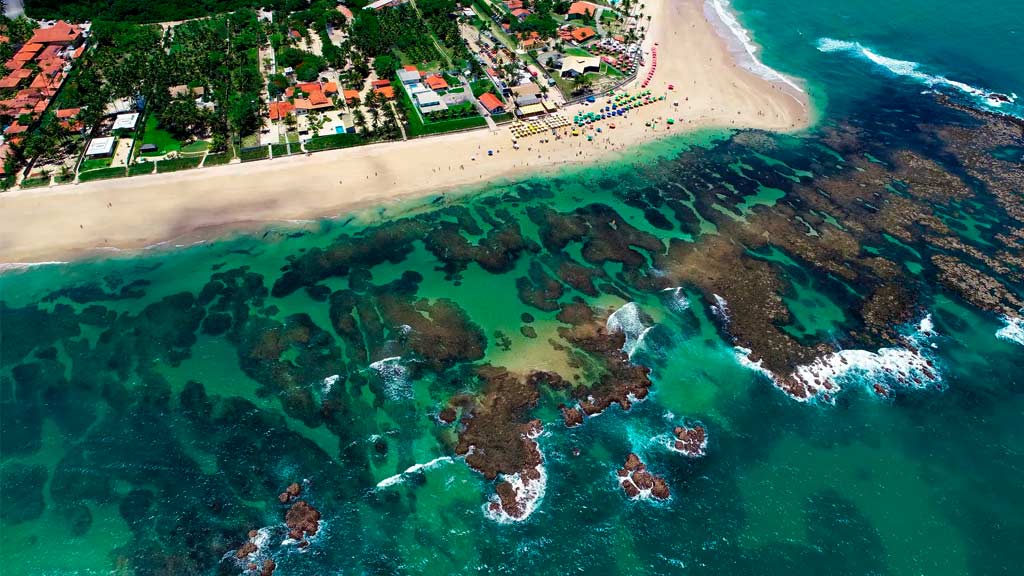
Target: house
573, 66
60, 33
521, 13
314, 101
126, 121
66, 117
385, 91
513, 4
408, 75
351, 95
526, 94
101, 147
492, 103
346, 12
330, 88
278, 110
380, 84
429, 101
436, 82
581, 10
580, 35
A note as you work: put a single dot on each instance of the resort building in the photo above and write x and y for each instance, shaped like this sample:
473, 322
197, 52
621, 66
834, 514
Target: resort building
526, 94
581, 35
582, 10
125, 121
573, 66
101, 147
492, 103
61, 33
278, 110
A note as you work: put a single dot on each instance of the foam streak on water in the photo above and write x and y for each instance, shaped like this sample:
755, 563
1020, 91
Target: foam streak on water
397, 478
911, 70
629, 321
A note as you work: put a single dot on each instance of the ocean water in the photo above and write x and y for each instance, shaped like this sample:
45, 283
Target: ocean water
153, 407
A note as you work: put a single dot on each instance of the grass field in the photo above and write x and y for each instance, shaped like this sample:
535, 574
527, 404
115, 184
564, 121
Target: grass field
197, 146
159, 137
94, 164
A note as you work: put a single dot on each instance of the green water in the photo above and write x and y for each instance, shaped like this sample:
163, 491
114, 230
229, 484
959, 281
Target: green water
152, 407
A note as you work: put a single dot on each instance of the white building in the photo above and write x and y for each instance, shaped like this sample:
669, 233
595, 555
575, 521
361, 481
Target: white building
126, 121
101, 147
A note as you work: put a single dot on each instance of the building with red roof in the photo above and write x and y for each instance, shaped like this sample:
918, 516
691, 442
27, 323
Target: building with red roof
436, 82
60, 33
493, 104
330, 88
351, 95
583, 34
582, 9
279, 110
387, 91
521, 13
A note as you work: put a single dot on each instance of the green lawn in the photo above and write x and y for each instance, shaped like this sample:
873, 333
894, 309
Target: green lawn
159, 137
197, 146
574, 51
94, 164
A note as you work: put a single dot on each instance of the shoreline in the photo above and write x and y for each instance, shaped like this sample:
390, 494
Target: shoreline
711, 87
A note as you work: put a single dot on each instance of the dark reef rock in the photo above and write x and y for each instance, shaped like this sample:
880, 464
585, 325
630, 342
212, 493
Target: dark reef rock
637, 482
691, 441
302, 520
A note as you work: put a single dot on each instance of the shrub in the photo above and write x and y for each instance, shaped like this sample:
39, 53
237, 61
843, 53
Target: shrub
334, 141
102, 174
175, 164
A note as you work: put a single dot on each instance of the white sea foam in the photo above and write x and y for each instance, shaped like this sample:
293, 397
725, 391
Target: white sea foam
529, 494
908, 367
720, 308
12, 266
630, 321
740, 43
908, 69
395, 377
397, 478
1013, 331
678, 300
329, 383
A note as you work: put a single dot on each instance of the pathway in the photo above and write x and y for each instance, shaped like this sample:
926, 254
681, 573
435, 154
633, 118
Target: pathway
479, 107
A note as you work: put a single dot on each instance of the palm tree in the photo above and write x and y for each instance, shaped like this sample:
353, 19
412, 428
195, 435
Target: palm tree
359, 119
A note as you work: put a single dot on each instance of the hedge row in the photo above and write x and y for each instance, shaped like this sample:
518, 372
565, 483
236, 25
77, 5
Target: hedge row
140, 168
35, 182
334, 141
175, 164
258, 153
217, 159
102, 174
278, 150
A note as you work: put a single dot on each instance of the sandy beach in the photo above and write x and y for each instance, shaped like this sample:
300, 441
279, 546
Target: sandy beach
73, 221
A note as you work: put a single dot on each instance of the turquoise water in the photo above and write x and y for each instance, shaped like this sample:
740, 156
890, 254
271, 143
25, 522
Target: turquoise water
153, 407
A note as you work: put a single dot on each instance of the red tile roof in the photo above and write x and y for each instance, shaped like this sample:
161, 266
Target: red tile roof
381, 83
331, 88
491, 102
436, 82
410, 68
386, 91
309, 87
279, 110
351, 94
582, 9
68, 112
521, 13
59, 33
15, 128
583, 34
10, 82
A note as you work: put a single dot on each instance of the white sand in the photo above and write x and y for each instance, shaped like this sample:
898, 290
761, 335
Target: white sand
71, 221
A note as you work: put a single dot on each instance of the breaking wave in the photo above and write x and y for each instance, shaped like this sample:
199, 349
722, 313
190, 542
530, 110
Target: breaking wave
633, 323
905, 367
911, 70
742, 46
1013, 331
398, 478
395, 377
